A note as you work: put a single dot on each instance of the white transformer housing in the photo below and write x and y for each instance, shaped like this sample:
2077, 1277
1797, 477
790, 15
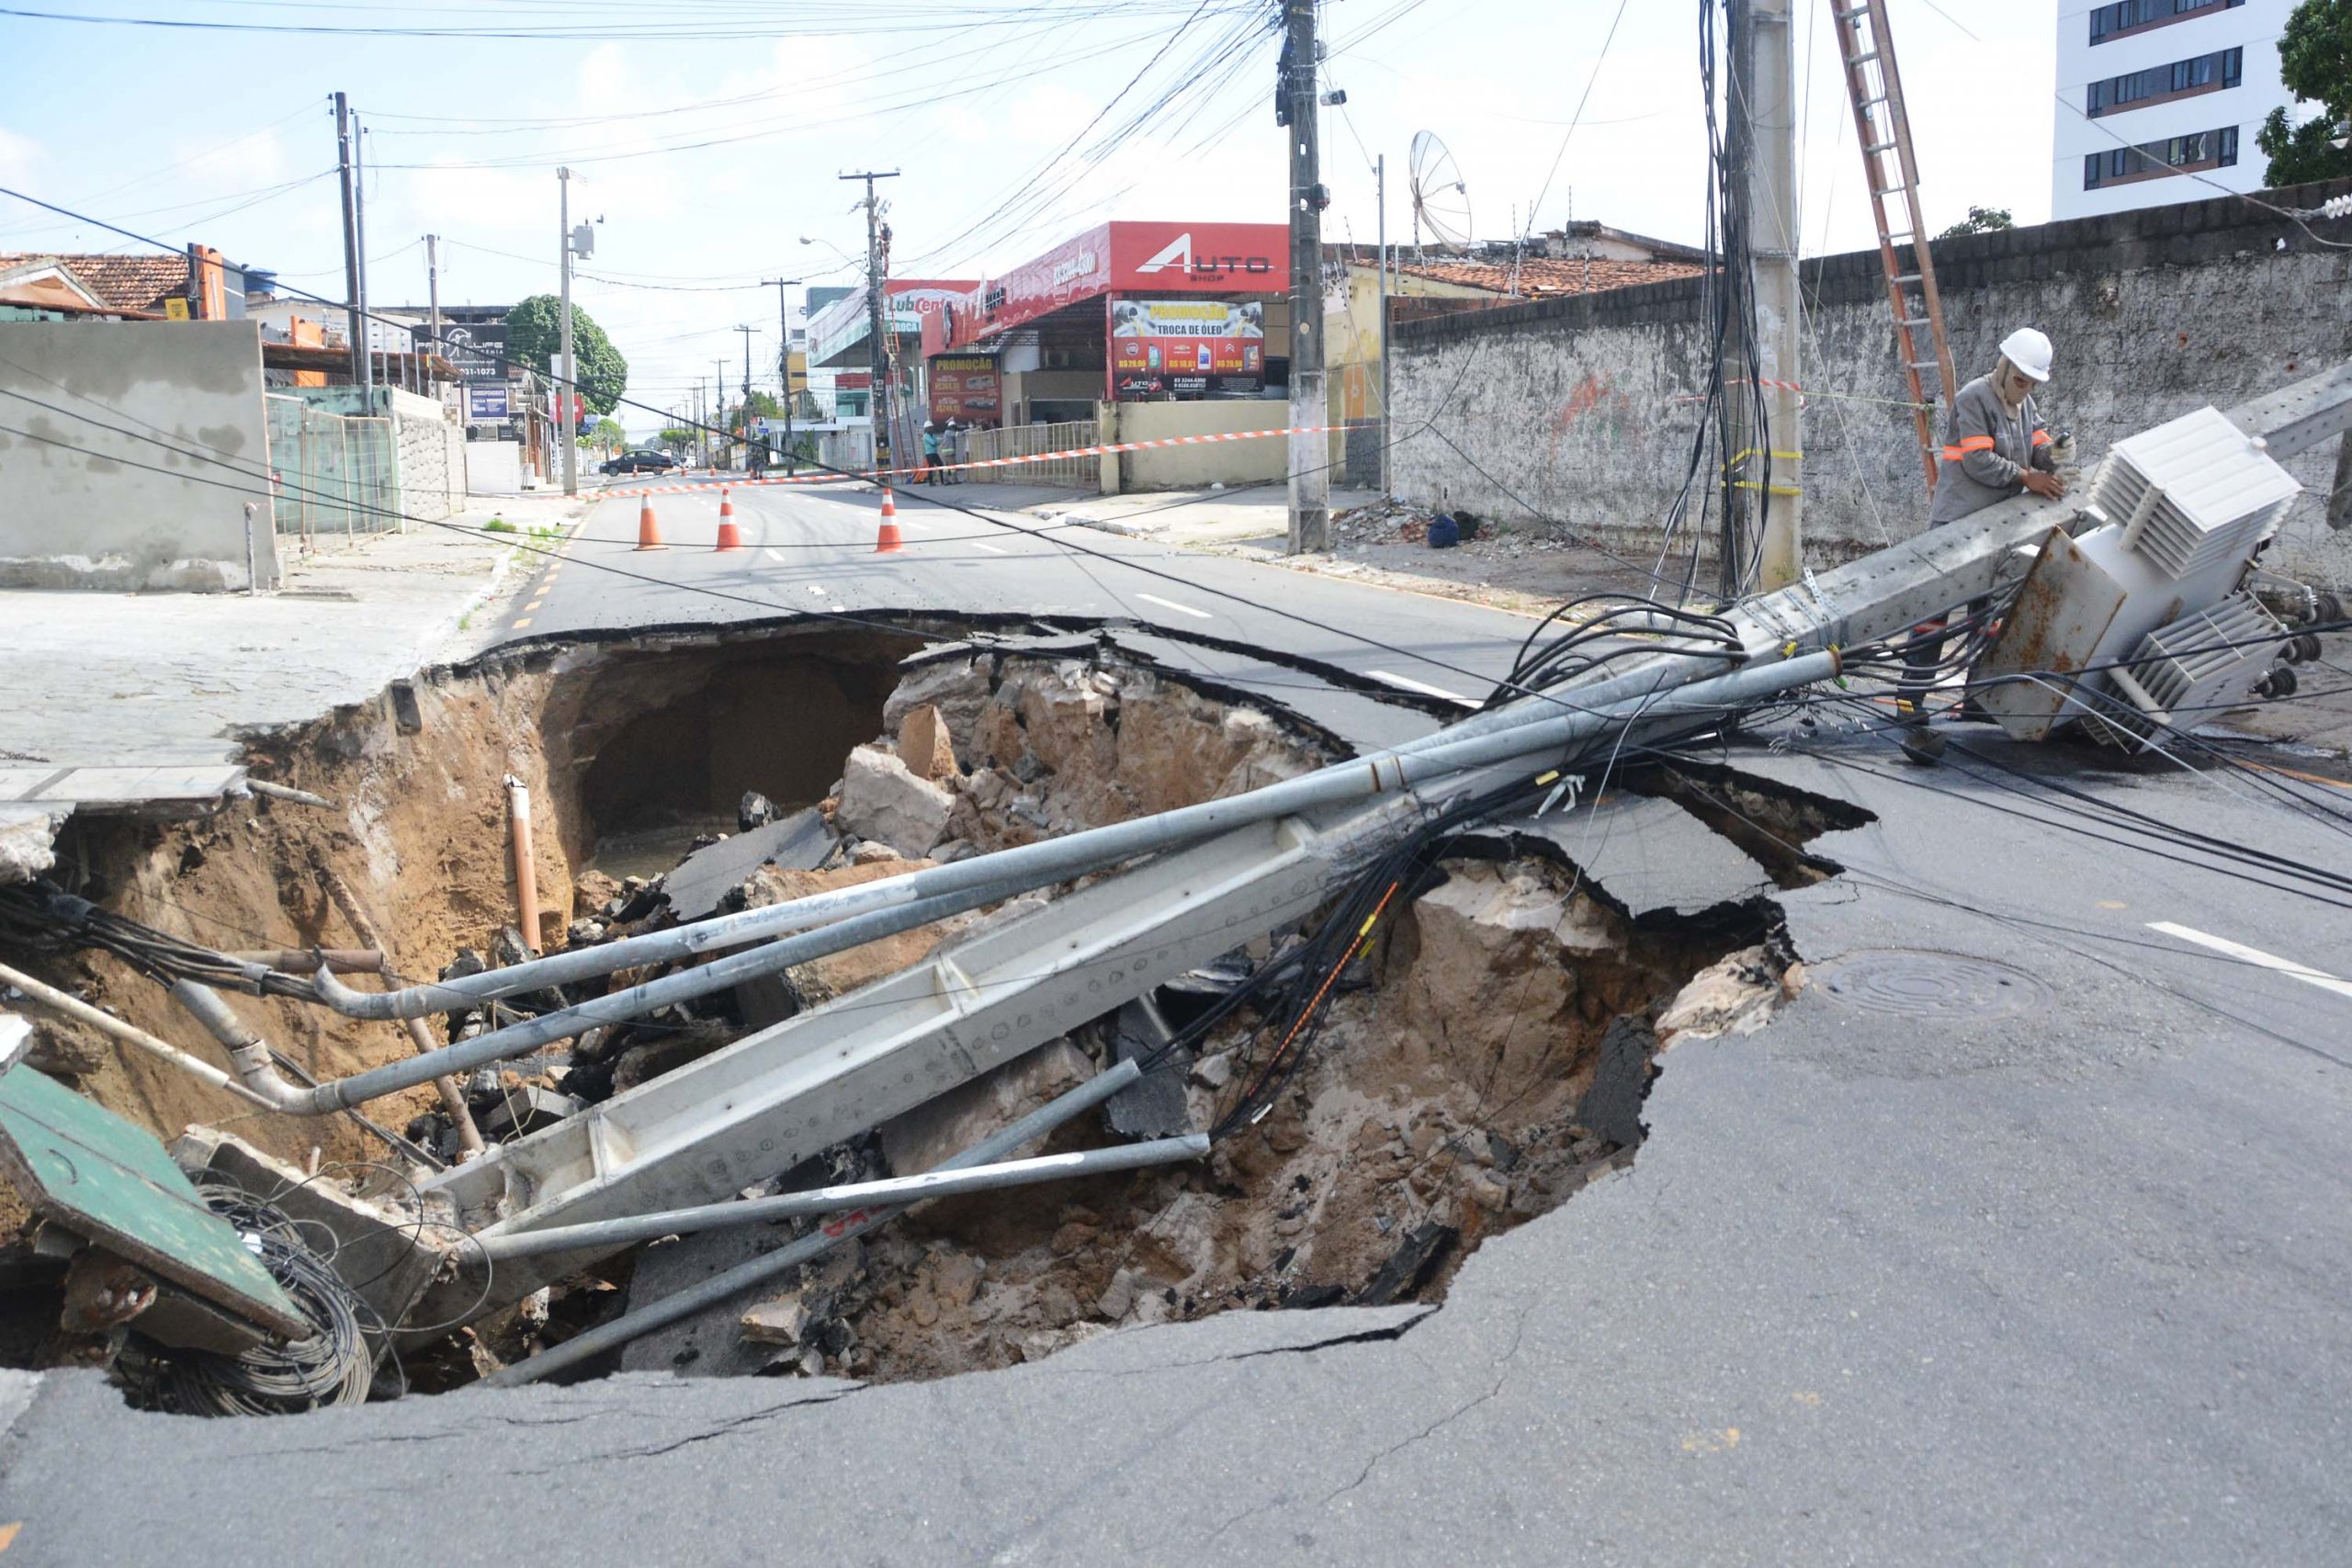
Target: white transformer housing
2192, 493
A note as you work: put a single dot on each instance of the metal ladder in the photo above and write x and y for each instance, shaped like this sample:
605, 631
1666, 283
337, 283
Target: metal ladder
1884, 128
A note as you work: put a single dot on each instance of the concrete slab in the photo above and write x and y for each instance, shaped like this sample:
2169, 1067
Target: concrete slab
1647, 853
796, 842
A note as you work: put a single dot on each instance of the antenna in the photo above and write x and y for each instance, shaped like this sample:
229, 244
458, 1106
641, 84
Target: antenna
1440, 197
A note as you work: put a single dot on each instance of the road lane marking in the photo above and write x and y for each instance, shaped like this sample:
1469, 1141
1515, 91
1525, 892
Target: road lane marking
521, 624
2254, 955
1423, 687
1171, 604
773, 555
991, 549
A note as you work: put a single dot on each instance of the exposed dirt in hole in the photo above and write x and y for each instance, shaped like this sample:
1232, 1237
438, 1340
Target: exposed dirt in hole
421, 835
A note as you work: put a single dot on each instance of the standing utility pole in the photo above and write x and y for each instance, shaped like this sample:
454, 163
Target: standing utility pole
350, 243
566, 416
783, 355
746, 411
1310, 477
432, 291
718, 410
1380, 186
876, 321
359, 243
1763, 77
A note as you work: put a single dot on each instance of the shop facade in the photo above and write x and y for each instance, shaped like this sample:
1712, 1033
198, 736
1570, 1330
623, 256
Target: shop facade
1125, 312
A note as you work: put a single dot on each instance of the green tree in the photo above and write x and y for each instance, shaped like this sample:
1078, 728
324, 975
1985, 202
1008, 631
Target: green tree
1980, 220
605, 436
677, 438
2315, 61
535, 336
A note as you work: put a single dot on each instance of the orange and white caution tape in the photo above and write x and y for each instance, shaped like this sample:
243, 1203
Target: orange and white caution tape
868, 474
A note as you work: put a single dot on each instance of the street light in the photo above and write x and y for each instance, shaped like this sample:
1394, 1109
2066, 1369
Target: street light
812, 240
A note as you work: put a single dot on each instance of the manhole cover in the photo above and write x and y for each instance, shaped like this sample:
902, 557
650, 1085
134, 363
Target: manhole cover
1932, 985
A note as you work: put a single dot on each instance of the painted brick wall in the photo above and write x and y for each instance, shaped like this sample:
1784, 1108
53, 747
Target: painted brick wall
1575, 410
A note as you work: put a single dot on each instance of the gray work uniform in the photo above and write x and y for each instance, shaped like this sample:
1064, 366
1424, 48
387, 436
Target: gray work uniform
1987, 452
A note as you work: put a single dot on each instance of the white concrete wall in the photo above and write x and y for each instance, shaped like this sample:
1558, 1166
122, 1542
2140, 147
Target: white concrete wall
2253, 26
1192, 467
86, 506
493, 467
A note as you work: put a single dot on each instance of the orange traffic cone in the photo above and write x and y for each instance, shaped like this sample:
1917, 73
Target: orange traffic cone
649, 532
888, 542
729, 536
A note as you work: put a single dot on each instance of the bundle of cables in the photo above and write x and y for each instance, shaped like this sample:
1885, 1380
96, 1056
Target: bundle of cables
41, 917
1627, 624
334, 1365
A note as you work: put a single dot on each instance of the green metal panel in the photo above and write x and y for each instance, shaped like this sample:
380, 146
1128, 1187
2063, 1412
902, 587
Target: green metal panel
94, 1174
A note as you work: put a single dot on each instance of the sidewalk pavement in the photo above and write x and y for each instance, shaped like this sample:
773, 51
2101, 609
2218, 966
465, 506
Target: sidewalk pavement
135, 699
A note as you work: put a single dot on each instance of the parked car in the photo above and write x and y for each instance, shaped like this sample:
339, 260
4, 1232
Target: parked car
640, 463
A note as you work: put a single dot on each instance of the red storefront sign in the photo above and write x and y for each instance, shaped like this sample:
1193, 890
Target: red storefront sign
1120, 258
963, 387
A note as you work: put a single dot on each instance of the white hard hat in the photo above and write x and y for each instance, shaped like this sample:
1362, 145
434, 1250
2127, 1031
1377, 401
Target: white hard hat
2029, 352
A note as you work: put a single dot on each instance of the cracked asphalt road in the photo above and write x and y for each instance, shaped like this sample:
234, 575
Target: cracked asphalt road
2068, 1285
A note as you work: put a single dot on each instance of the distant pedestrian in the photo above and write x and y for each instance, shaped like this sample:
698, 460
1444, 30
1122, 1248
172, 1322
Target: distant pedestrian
930, 454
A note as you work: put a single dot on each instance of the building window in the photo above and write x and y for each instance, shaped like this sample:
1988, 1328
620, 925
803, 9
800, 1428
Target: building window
2153, 160
2205, 74
2128, 17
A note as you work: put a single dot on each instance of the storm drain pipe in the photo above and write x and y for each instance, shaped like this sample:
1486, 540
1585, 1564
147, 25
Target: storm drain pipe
947, 1182
72, 1007
660, 1314
1472, 743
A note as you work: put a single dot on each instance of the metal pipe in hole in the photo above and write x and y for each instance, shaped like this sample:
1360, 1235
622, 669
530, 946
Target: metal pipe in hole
849, 1198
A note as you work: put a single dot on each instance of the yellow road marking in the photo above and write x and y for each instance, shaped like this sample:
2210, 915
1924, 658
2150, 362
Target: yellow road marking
521, 624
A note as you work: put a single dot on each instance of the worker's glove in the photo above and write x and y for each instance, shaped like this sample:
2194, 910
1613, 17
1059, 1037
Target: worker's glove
2062, 450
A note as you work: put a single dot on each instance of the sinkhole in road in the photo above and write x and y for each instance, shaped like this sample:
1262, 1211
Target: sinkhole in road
1485, 1060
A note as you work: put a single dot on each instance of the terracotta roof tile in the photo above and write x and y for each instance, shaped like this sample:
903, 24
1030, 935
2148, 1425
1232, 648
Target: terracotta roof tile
1541, 277
131, 283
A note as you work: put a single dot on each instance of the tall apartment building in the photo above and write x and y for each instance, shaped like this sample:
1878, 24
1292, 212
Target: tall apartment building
2152, 93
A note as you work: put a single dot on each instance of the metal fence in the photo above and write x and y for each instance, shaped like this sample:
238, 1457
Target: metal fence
336, 473
1025, 440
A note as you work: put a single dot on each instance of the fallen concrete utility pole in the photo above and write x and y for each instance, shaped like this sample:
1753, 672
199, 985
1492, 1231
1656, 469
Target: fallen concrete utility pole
1473, 742
601, 1235
684, 1304
1010, 872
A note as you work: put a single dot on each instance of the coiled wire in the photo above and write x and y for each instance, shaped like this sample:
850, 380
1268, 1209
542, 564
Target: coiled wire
334, 1365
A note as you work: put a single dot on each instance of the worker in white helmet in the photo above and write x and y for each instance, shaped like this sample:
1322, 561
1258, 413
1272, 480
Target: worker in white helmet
1998, 446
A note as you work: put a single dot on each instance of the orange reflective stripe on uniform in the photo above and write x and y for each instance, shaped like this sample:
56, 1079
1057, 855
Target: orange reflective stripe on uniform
1978, 444
1954, 453
2041, 438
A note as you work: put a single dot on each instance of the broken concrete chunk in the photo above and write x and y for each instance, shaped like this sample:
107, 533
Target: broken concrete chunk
924, 745
881, 798
872, 852
1736, 994
754, 811
782, 1321
957, 688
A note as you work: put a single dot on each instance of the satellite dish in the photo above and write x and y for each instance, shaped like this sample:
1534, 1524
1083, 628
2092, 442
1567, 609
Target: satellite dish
1440, 197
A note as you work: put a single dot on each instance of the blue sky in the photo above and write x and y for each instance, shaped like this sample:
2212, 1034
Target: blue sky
710, 140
